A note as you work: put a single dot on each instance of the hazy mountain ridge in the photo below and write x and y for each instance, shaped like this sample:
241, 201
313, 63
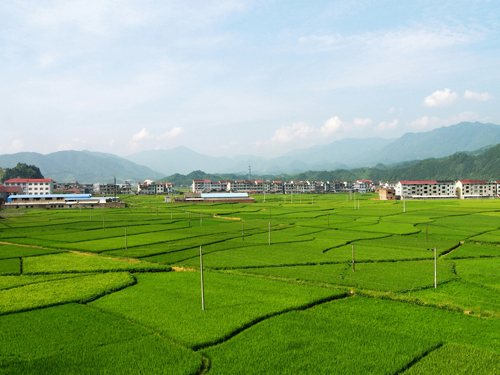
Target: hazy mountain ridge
480, 164
344, 154
82, 166
384, 154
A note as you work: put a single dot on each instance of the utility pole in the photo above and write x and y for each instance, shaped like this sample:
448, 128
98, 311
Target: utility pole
269, 233
404, 205
201, 273
353, 258
435, 268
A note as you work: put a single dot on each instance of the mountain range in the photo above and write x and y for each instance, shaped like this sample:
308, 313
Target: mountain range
86, 166
343, 154
82, 166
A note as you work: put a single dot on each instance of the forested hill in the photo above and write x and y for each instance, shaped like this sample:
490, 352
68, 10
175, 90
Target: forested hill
484, 165
20, 170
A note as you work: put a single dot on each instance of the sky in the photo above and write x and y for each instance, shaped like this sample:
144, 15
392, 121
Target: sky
241, 77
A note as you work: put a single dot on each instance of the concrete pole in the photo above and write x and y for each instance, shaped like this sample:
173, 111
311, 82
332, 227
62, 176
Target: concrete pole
201, 274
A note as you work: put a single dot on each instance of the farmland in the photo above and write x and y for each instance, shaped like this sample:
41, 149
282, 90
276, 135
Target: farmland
314, 286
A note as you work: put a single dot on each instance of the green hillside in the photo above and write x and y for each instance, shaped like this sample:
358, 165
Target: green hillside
480, 164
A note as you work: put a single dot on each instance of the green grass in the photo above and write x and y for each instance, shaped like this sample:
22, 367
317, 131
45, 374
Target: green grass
54, 292
170, 303
71, 262
75, 339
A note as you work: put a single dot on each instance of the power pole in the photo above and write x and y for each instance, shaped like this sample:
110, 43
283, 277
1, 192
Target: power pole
201, 273
435, 267
269, 233
353, 258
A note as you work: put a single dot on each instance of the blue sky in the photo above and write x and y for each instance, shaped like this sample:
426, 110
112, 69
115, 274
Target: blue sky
241, 77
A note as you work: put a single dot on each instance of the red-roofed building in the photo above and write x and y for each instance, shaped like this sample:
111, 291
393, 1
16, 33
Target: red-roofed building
32, 186
6, 191
466, 189
425, 190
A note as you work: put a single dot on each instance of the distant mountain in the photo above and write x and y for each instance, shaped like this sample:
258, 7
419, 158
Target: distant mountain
82, 166
344, 154
440, 142
483, 164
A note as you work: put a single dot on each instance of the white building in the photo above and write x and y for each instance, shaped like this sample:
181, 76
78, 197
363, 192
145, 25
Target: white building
466, 189
425, 189
33, 186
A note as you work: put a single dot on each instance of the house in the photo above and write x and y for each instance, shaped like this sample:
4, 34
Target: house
6, 191
387, 194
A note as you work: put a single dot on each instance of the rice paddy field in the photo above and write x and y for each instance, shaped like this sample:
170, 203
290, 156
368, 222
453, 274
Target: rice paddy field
313, 286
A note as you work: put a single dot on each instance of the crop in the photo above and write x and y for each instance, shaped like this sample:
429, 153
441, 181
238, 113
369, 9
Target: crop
173, 304
75, 339
463, 359
54, 292
10, 266
70, 262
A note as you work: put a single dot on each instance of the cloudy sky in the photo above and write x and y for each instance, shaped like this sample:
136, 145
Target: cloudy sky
229, 77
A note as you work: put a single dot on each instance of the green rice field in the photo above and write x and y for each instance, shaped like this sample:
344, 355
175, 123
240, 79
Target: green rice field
316, 286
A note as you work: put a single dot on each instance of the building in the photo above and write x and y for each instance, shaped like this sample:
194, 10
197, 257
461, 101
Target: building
51, 201
201, 185
32, 186
214, 198
6, 191
387, 194
425, 190
164, 188
467, 189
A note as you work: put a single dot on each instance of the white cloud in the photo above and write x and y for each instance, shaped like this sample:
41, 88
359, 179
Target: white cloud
426, 122
16, 146
440, 98
144, 135
298, 130
391, 110
384, 125
477, 96
331, 125
361, 123
467, 116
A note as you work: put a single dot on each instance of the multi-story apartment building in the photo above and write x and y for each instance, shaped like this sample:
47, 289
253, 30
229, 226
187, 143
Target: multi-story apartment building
32, 186
425, 189
466, 189
201, 185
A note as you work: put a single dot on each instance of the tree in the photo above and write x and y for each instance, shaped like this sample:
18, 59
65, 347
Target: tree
23, 171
